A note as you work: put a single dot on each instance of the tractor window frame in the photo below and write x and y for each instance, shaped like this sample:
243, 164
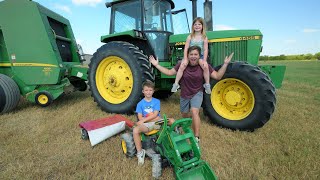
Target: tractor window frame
129, 11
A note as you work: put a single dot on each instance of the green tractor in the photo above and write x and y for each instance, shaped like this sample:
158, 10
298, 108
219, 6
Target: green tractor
39, 57
244, 99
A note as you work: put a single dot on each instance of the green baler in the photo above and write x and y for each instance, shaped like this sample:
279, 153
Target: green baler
39, 57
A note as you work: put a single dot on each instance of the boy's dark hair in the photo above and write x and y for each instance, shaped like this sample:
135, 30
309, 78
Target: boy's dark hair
149, 84
191, 48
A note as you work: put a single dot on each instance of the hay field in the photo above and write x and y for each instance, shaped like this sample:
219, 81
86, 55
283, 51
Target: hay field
45, 143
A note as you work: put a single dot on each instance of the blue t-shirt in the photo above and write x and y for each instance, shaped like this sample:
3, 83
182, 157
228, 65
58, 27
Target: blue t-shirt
144, 107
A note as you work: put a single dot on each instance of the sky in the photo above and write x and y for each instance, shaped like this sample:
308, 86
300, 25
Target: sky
288, 26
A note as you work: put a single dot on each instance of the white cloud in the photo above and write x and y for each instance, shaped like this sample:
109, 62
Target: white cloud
310, 30
290, 41
87, 2
222, 27
63, 8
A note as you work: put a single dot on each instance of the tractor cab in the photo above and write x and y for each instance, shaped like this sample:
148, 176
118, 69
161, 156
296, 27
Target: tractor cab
151, 21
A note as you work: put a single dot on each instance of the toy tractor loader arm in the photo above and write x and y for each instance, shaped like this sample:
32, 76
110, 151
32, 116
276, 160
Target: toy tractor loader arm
182, 151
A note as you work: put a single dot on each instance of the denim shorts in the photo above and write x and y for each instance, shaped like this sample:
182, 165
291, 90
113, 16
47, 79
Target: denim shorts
194, 102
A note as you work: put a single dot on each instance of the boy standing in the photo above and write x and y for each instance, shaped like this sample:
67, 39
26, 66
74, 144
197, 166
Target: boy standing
148, 110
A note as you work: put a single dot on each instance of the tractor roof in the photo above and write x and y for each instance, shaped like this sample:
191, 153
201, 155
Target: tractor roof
109, 4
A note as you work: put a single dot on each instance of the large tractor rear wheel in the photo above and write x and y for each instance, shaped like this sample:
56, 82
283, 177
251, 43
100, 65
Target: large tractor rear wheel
116, 73
244, 99
9, 94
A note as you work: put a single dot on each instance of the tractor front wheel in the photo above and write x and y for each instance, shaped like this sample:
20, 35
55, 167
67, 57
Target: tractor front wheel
116, 73
244, 99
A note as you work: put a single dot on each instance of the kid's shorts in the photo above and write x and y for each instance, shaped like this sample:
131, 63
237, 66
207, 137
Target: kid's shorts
194, 102
151, 125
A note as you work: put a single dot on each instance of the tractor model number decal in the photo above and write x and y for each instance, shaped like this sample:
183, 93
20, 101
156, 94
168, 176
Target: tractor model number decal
242, 38
249, 37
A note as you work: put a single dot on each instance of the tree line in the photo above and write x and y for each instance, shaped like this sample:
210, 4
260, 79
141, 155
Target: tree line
309, 56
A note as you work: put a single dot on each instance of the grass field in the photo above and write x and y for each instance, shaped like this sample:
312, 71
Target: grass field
45, 143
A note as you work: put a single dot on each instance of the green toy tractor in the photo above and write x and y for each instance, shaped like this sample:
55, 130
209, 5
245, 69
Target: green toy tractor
39, 57
244, 99
173, 145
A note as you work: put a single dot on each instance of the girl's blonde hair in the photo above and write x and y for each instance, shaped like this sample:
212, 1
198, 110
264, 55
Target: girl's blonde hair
200, 20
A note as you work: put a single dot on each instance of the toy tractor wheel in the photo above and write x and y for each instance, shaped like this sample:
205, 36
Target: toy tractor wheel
43, 98
9, 94
116, 73
127, 144
156, 166
84, 134
243, 99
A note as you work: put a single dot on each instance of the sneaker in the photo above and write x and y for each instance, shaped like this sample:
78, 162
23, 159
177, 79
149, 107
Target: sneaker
141, 156
207, 88
198, 139
175, 87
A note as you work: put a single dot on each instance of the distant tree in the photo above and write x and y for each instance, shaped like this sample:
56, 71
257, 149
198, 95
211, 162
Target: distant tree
317, 55
282, 57
308, 56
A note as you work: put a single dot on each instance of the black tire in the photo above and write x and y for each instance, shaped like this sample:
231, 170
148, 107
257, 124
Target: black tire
79, 84
244, 99
84, 134
156, 166
162, 94
116, 73
127, 144
43, 98
9, 94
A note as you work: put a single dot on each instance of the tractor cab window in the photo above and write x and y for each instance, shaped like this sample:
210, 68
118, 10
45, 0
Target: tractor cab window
127, 16
157, 16
180, 21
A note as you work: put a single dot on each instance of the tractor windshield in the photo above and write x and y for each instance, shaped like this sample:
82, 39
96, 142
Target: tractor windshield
127, 16
157, 15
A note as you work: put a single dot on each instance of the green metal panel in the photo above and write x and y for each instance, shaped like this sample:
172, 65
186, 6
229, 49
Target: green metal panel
28, 44
276, 73
246, 45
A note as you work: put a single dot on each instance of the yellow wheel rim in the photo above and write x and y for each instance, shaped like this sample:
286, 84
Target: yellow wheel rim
114, 79
124, 146
232, 99
43, 99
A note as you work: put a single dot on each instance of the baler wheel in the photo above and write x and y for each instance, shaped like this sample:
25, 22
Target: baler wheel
43, 98
9, 94
127, 144
244, 99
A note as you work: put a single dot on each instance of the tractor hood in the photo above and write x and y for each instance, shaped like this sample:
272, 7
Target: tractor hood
221, 36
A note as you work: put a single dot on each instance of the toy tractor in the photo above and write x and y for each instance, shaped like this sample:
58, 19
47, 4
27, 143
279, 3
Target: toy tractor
244, 99
170, 146
39, 57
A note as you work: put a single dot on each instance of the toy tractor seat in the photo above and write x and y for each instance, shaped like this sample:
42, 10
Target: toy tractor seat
155, 131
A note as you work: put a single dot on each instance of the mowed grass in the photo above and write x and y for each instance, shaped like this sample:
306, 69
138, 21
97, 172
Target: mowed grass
45, 143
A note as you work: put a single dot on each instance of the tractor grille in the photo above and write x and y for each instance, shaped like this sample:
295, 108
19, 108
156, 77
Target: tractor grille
222, 49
